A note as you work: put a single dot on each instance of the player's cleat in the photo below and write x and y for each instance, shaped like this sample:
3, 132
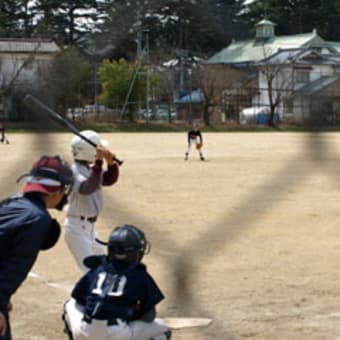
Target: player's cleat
186, 157
165, 336
168, 334
202, 158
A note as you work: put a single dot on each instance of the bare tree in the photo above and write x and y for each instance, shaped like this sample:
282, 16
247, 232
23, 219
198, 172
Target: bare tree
19, 65
12, 68
209, 81
167, 86
215, 80
275, 80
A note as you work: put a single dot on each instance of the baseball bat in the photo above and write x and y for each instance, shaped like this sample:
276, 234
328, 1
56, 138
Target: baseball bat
35, 104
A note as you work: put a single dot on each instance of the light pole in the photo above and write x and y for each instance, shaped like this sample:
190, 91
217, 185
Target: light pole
190, 97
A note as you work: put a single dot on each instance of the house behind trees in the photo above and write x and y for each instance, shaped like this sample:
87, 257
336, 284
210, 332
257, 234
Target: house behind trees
290, 72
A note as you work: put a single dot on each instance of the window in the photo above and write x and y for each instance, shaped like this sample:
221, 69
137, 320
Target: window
288, 105
302, 76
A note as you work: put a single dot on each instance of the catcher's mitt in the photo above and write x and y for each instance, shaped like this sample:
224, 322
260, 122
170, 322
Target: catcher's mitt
199, 146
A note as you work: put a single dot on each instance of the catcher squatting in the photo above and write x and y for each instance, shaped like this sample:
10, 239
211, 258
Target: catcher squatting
116, 298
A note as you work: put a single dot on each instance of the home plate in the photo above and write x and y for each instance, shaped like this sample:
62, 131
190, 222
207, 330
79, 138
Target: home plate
176, 323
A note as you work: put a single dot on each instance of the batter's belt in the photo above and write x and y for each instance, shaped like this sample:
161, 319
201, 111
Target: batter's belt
89, 219
85, 218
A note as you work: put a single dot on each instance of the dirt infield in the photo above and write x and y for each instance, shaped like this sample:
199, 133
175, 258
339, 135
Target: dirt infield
249, 238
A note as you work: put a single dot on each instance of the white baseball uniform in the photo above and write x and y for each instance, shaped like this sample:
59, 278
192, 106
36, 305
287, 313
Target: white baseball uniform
85, 204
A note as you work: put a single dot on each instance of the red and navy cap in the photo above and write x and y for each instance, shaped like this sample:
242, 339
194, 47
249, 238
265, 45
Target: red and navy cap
48, 175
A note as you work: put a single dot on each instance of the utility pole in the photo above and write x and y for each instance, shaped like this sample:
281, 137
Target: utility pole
95, 85
139, 31
147, 47
181, 61
182, 54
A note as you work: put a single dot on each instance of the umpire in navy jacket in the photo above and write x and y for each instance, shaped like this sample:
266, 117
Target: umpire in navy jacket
26, 227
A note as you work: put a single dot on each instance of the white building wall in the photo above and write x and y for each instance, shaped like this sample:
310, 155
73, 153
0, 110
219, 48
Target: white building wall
281, 84
11, 63
284, 82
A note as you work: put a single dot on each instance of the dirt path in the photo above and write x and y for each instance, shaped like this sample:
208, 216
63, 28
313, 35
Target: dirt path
250, 238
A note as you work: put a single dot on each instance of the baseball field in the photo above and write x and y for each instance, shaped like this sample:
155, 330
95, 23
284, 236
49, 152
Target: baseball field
249, 238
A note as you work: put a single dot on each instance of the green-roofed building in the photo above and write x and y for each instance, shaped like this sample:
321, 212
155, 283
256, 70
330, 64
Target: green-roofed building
252, 58
264, 45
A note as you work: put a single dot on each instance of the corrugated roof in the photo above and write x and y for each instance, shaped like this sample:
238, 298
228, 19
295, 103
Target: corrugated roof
27, 46
317, 85
256, 50
193, 97
335, 44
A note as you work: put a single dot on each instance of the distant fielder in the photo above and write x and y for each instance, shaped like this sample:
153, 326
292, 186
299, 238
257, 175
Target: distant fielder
195, 138
3, 138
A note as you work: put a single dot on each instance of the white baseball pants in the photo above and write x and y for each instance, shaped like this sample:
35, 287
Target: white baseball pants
80, 236
99, 330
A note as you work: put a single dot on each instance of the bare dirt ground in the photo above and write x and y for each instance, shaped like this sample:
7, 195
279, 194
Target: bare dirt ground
249, 238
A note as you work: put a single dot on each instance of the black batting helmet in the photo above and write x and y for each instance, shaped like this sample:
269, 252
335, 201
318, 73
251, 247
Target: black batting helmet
127, 243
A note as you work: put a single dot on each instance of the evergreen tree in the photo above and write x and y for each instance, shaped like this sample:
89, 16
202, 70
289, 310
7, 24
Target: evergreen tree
68, 21
298, 16
15, 18
69, 80
199, 26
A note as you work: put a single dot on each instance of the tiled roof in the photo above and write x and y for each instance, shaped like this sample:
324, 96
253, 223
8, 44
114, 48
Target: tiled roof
303, 56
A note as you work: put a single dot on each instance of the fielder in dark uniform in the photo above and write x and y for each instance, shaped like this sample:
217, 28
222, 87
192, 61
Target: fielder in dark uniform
195, 138
116, 299
26, 227
3, 138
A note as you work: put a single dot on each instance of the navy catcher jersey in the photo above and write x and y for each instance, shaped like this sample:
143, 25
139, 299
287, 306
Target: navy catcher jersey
133, 293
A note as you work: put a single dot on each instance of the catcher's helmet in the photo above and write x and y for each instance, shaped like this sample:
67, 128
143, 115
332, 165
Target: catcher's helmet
48, 175
127, 243
82, 150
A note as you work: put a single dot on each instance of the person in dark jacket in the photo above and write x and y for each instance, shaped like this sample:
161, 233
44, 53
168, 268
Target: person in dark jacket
26, 227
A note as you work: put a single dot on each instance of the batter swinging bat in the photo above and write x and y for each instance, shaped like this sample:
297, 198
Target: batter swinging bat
36, 104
